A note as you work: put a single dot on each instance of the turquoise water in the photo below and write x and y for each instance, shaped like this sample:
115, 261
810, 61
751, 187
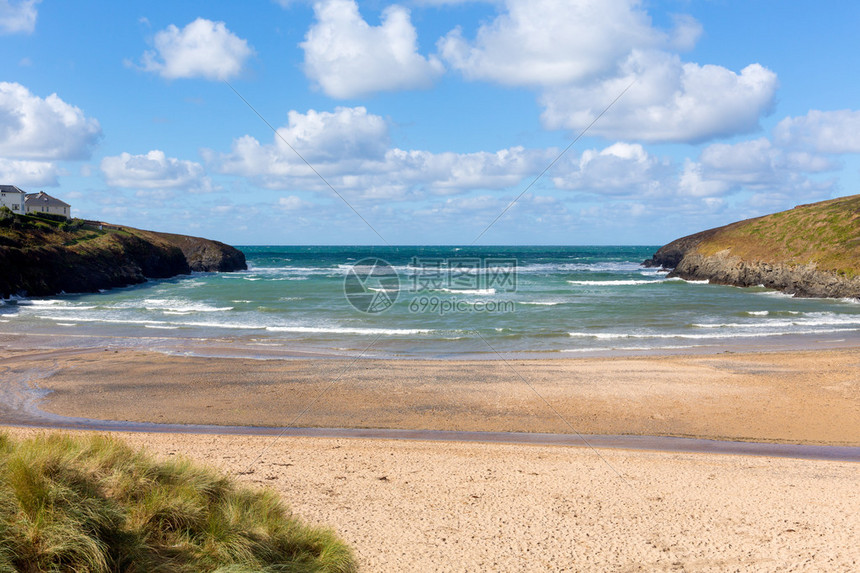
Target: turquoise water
451, 301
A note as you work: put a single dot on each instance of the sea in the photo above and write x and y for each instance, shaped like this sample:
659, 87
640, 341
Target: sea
485, 302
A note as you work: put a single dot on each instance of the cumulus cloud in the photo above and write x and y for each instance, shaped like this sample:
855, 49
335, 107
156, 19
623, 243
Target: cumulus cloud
821, 131
620, 169
551, 42
202, 49
18, 16
43, 129
28, 173
693, 182
348, 58
154, 171
759, 167
582, 55
758, 164
670, 101
327, 136
349, 147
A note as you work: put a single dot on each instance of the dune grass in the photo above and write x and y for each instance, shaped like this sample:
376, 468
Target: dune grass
93, 504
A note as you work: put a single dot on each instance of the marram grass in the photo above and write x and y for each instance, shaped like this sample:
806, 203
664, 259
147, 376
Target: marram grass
93, 504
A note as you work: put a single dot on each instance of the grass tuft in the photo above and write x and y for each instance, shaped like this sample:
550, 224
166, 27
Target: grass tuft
94, 505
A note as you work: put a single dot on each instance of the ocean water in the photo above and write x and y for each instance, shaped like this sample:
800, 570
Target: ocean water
431, 302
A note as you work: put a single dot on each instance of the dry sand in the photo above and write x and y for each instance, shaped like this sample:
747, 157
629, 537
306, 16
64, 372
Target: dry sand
421, 506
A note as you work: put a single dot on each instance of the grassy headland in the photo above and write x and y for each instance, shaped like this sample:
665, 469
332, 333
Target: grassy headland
811, 250
43, 255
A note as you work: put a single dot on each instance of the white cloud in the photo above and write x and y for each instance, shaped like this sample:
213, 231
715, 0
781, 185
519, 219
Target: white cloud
350, 149
18, 16
326, 136
551, 42
669, 101
583, 54
202, 49
758, 164
694, 183
292, 203
687, 32
348, 58
28, 173
821, 131
759, 167
620, 169
154, 171
43, 129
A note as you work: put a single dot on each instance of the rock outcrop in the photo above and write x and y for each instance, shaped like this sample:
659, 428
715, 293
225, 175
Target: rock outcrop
43, 257
809, 251
205, 255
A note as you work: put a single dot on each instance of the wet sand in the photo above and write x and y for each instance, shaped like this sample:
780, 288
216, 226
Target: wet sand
789, 397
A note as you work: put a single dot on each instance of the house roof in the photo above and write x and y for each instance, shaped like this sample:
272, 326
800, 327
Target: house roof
42, 198
11, 189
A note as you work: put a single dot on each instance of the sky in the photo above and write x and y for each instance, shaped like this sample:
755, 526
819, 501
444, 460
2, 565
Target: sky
511, 122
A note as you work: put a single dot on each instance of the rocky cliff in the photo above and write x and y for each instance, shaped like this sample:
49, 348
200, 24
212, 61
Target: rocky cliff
41, 257
810, 251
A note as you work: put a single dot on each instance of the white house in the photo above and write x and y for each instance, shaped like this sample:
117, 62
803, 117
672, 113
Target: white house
41, 202
13, 198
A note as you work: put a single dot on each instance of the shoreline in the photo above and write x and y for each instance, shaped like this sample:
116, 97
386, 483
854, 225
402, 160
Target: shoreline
632, 443
265, 349
803, 398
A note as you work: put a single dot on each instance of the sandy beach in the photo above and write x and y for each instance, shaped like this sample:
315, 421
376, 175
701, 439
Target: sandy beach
795, 397
419, 506
435, 506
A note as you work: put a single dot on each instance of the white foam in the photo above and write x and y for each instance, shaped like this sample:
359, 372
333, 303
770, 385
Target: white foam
221, 325
813, 319
91, 319
637, 348
179, 306
474, 291
541, 303
347, 330
614, 335
52, 305
773, 293
618, 266
627, 282
690, 281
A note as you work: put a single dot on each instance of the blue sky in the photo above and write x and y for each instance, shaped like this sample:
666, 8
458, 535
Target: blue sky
428, 117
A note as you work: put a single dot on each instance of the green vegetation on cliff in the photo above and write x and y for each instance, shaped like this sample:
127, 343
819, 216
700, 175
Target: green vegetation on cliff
42, 255
811, 250
826, 234
95, 505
